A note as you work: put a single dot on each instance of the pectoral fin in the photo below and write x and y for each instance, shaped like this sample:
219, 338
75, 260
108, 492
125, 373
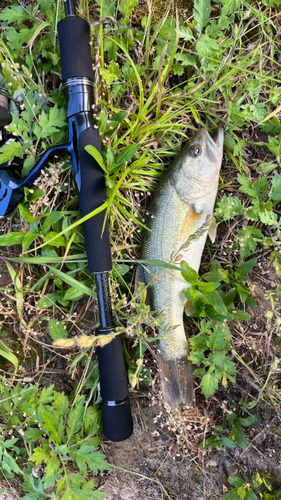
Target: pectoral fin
212, 231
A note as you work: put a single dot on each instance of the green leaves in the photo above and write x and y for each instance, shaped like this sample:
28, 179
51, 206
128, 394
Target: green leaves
207, 300
206, 46
86, 458
201, 12
275, 191
49, 123
14, 14
10, 151
126, 6
217, 366
112, 73
57, 330
188, 273
54, 428
248, 239
274, 145
228, 207
209, 384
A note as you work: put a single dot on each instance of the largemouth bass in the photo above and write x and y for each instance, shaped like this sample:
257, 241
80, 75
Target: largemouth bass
179, 218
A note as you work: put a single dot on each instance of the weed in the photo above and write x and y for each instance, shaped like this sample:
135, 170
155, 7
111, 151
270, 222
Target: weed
52, 436
260, 483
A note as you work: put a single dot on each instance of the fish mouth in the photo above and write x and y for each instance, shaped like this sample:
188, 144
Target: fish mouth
217, 137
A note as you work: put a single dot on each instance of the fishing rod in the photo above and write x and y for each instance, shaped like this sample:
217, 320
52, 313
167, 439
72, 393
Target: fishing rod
78, 81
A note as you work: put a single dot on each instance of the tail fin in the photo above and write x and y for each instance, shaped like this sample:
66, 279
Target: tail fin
176, 380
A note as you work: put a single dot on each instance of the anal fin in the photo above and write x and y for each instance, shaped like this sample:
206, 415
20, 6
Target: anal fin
176, 380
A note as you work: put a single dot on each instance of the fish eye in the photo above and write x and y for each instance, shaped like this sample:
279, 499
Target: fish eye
196, 150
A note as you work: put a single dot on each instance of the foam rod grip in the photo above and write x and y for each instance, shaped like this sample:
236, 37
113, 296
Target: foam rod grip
92, 195
117, 418
74, 38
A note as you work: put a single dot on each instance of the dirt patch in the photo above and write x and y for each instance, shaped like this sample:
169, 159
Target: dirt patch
8, 496
152, 464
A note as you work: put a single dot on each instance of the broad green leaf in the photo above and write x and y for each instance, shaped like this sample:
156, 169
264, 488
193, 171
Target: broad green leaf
32, 434
247, 421
228, 207
271, 127
57, 330
189, 274
250, 495
228, 442
85, 456
9, 465
201, 12
6, 353
26, 213
35, 488
11, 239
208, 442
73, 294
274, 145
248, 239
51, 472
75, 419
49, 123
216, 339
28, 240
208, 287
185, 33
53, 423
73, 282
47, 301
96, 155
51, 219
209, 384
92, 420
112, 73
275, 192
239, 315
10, 151
127, 153
231, 6
108, 8
61, 403
206, 46
46, 395
231, 495
266, 167
40, 455
269, 218
126, 6
29, 163
60, 241
14, 39
14, 14
186, 60
236, 481
246, 186
240, 438
242, 271
215, 300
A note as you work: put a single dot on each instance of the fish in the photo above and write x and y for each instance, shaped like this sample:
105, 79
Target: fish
179, 217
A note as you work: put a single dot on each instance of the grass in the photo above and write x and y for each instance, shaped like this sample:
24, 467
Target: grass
158, 81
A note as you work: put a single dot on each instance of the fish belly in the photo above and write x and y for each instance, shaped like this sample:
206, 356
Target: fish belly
167, 297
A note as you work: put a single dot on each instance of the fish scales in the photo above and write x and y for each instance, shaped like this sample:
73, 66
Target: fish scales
181, 204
